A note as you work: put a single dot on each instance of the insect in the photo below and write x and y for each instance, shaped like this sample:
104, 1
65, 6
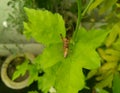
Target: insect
65, 45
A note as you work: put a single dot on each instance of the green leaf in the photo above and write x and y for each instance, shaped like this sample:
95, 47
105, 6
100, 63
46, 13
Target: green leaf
101, 90
50, 56
70, 78
107, 81
115, 31
66, 77
33, 74
116, 45
64, 74
20, 70
85, 48
44, 26
91, 73
95, 4
107, 5
47, 81
116, 83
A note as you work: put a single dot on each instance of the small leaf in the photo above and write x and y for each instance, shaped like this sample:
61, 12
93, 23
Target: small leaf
107, 81
112, 52
107, 5
101, 90
113, 35
91, 73
116, 45
95, 4
107, 66
116, 83
21, 70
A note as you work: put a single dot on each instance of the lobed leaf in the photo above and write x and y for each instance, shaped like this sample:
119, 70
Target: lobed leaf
69, 73
50, 56
64, 74
44, 26
85, 48
70, 78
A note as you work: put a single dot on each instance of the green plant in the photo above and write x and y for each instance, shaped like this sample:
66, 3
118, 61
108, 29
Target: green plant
59, 72
92, 50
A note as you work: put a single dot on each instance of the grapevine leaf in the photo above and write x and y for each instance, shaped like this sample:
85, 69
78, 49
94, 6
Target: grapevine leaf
51, 56
46, 81
64, 74
44, 26
85, 48
69, 78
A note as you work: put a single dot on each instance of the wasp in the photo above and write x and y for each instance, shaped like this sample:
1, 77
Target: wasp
65, 45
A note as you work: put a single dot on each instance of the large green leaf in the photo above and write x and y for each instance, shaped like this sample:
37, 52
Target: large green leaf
64, 74
68, 77
51, 55
85, 48
48, 79
44, 26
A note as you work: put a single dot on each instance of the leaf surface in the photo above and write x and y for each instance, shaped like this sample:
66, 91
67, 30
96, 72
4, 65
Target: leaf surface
68, 77
85, 48
116, 83
64, 74
44, 26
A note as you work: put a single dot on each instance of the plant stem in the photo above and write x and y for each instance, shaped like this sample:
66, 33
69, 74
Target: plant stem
87, 7
78, 20
80, 14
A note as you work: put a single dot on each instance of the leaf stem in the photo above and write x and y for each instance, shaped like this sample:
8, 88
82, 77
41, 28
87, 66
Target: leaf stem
80, 14
79, 2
